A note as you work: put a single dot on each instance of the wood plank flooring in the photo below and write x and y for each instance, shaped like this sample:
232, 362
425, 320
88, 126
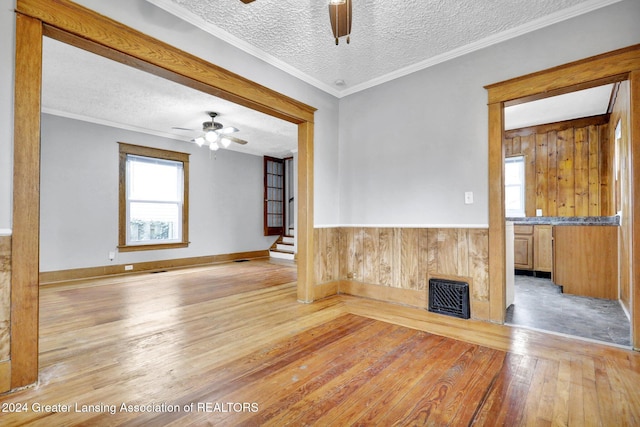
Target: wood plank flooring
229, 345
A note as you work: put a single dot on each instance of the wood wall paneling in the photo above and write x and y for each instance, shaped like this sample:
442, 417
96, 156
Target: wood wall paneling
567, 166
394, 264
5, 301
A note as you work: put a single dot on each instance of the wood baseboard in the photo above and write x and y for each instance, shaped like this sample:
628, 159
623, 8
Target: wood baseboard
52, 277
410, 297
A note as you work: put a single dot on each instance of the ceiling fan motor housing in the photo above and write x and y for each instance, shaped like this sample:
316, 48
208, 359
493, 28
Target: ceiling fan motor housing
211, 126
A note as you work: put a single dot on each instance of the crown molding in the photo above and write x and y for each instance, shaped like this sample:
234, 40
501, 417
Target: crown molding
195, 20
554, 18
94, 120
503, 36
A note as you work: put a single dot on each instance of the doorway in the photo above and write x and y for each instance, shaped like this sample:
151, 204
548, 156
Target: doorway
614, 66
560, 170
80, 28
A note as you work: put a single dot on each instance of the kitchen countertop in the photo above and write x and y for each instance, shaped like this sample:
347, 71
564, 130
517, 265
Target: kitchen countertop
566, 220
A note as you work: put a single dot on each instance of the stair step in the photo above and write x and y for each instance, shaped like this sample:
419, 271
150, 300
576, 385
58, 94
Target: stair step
282, 254
288, 240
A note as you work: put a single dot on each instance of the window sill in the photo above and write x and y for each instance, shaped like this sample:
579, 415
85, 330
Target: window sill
152, 247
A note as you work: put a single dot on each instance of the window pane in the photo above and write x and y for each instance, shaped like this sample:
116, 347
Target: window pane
154, 221
514, 186
513, 199
154, 179
513, 171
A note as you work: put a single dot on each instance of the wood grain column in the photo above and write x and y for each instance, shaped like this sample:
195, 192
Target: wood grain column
497, 277
304, 226
26, 203
634, 85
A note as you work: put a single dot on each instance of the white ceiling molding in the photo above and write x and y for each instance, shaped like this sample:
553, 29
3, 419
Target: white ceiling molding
109, 123
536, 24
237, 42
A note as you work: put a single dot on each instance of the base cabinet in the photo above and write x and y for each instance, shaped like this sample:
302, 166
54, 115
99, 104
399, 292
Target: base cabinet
586, 260
532, 247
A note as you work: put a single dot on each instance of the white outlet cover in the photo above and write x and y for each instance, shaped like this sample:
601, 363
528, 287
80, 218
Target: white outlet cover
468, 197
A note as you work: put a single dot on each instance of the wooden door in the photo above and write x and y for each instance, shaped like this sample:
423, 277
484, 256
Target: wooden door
273, 196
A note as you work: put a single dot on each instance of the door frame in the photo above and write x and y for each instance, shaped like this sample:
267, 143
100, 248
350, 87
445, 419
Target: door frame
76, 25
622, 64
273, 231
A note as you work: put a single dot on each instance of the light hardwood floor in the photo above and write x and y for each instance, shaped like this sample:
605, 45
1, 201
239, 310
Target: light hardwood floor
230, 345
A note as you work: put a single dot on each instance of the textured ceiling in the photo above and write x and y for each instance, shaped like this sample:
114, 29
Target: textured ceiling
388, 38
81, 85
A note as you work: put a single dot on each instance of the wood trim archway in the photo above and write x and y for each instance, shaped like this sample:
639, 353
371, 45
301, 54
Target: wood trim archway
81, 27
623, 64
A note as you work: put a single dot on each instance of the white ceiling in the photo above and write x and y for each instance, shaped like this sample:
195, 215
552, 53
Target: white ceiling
388, 38
387, 41
81, 85
574, 105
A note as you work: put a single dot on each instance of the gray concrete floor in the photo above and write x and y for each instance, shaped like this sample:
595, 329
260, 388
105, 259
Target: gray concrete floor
540, 304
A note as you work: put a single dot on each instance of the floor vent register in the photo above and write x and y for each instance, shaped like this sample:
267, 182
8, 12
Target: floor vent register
449, 297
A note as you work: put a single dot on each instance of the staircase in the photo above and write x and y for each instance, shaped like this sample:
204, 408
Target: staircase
284, 247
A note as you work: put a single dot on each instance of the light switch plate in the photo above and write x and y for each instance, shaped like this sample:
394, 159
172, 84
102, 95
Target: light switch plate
468, 197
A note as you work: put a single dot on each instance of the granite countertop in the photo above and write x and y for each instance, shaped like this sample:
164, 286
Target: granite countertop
566, 220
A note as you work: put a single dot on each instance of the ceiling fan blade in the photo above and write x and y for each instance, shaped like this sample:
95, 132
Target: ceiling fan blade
227, 130
179, 128
237, 140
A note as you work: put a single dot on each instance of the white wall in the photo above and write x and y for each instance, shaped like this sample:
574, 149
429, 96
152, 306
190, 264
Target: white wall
410, 148
7, 55
79, 197
412, 173
157, 23
151, 20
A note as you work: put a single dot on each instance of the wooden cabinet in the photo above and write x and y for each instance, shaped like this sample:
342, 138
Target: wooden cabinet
532, 247
586, 260
523, 247
543, 248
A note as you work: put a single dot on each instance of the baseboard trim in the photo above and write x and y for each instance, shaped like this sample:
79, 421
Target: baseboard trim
410, 297
52, 277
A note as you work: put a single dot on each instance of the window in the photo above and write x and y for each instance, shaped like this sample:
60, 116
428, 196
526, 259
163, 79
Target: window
154, 189
514, 186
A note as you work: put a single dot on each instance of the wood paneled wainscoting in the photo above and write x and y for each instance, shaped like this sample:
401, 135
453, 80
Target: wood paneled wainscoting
395, 264
5, 312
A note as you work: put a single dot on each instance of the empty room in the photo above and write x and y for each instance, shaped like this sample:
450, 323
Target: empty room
336, 212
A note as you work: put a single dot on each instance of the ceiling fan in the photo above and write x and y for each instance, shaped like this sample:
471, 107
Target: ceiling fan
216, 134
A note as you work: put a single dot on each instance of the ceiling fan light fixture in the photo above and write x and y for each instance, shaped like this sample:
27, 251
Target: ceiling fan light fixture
214, 146
225, 142
199, 141
211, 136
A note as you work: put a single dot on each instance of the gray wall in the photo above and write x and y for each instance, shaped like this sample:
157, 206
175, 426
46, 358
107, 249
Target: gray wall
151, 20
410, 148
79, 197
7, 55
433, 146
